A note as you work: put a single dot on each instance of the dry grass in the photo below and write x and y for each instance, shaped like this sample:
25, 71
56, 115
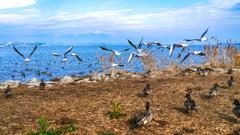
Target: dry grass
86, 105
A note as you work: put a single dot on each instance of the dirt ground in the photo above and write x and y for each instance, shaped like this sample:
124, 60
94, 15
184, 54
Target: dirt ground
86, 105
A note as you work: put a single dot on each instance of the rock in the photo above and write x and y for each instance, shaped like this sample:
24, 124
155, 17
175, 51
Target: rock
153, 76
31, 86
106, 79
218, 69
123, 78
33, 82
73, 75
236, 70
13, 84
135, 76
49, 82
66, 79
95, 76
117, 75
113, 74
79, 81
77, 78
195, 69
56, 79
86, 79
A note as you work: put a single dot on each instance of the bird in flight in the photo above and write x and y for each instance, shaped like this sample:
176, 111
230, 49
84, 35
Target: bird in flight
199, 39
63, 58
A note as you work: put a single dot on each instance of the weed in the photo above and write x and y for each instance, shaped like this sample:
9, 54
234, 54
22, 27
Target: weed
61, 130
198, 88
106, 133
117, 111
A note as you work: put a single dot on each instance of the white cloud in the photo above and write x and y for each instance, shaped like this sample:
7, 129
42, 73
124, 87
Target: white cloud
12, 19
16, 3
31, 11
114, 1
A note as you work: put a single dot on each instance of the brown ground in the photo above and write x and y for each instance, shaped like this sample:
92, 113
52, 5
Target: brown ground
86, 105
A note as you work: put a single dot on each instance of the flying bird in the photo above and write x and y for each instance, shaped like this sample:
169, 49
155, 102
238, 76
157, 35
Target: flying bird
26, 59
162, 49
73, 54
183, 44
115, 52
192, 53
133, 54
112, 65
138, 49
63, 58
199, 39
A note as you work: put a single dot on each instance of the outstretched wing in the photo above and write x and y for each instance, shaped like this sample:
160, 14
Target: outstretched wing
132, 44
18, 51
125, 50
78, 58
33, 50
140, 44
201, 54
67, 51
105, 68
187, 39
131, 56
105, 49
55, 54
172, 49
204, 32
186, 56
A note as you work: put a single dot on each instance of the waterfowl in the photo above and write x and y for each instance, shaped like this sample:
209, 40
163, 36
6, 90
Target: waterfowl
189, 70
81, 73
28, 69
12, 76
133, 54
147, 90
183, 73
236, 109
42, 85
230, 71
22, 74
73, 54
184, 45
8, 92
190, 104
231, 82
144, 117
112, 65
192, 53
44, 72
209, 69
49, 74
26, 59
202, 71
14, 70
199, 39
146, 73
63, 58
214, 91
115, 52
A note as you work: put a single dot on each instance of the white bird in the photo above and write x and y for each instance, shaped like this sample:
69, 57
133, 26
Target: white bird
192, 53
133, 54
73, 54
199, 39
63, 58
26, 59
183, 44
138, 49
112, 65
115, 52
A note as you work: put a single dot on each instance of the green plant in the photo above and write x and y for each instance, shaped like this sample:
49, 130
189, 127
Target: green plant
117, 111
61, 130
198, 88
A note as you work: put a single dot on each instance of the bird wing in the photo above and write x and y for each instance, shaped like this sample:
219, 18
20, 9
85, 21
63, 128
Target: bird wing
78, 58
18, 51
105, 68
55, 54
140, 44
201, 54
148, 45
131, 56
158, 44
187, 39
171, 49
186, 56
33, 50
142, 117
157, 48
67, 51
204, 32
125, 50
132, 44
105, 49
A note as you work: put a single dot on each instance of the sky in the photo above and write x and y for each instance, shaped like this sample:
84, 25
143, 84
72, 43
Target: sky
114, 21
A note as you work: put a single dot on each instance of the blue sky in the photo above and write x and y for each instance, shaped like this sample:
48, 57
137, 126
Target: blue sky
156, 20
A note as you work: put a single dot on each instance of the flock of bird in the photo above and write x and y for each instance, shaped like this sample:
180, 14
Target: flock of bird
146, 116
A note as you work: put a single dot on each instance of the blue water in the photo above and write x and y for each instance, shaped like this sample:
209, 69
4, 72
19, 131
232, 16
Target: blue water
43, 57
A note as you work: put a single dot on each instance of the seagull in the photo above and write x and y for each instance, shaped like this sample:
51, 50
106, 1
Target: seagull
26, 59
199, 39
133, 54
162, 47
73, 54
112, 65
115, 52
183, 44
138, 49
192, 53
63, 58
